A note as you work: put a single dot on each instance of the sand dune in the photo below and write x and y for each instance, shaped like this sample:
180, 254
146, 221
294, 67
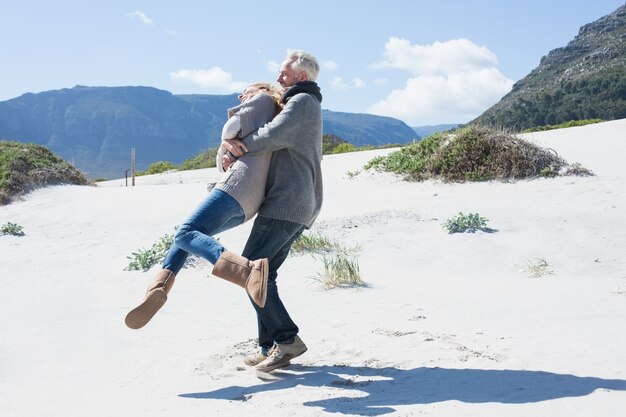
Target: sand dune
450, 324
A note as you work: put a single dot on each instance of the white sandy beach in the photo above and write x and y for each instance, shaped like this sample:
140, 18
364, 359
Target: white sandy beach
451, 324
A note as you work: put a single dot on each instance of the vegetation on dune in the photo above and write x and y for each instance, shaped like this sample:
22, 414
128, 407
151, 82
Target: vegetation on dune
12, 229
474, 153
24, 167
205, 159
571, 123
144, 259
157, 168
469, 223
331, 144
538, 268
341, 266
586, 79
600, 96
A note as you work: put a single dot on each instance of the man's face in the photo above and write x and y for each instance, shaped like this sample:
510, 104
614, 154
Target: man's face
287, 76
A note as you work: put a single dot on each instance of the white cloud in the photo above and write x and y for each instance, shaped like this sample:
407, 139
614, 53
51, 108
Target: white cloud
451, 82
457, 55
358, 83
381, 81
273, 67
330, 65
338, 83
213, 79
171, 32
141, 16
451, 98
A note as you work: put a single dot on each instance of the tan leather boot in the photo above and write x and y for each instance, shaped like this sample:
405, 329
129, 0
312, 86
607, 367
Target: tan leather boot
156, 295
251, 275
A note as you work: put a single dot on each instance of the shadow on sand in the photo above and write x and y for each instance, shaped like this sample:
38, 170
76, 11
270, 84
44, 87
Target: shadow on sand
388, 387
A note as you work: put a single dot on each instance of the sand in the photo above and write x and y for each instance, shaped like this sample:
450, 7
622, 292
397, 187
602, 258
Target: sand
449, 325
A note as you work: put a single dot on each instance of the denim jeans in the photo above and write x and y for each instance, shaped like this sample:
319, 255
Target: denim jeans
217, 213
272, 239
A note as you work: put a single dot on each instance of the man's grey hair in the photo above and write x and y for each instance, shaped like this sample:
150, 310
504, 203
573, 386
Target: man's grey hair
304, 62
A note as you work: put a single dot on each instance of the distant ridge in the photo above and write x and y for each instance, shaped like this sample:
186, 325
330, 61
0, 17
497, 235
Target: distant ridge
584, 80
94, 128
423, 131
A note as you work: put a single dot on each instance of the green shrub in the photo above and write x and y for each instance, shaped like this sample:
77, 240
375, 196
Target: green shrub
204, 160
330, 142
11, 229
344, 148
157, 168
466, 223
410, 160
548, 172
474, 153
144, 259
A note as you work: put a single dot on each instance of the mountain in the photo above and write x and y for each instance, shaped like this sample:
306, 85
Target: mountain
365, 129
423, 131
94, 128
584, 80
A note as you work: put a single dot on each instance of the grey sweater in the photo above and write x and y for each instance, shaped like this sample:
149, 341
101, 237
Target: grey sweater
246, 178
294, 189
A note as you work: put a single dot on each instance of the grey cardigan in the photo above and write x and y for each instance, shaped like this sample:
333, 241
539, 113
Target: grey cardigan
294, 188
246, 178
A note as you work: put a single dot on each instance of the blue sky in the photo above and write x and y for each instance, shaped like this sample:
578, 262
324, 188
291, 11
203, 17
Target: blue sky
423, 62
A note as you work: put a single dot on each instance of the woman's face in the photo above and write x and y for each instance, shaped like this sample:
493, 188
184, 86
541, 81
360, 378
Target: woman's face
248, 93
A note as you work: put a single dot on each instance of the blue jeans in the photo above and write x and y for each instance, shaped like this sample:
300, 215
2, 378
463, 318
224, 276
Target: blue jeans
272, 239
217, 213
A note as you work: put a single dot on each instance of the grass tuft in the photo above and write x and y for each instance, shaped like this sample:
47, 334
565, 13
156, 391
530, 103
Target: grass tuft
314, 244
538, 268
340, 272
341, 267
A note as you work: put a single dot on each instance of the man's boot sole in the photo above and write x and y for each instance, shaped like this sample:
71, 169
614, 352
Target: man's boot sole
143, 313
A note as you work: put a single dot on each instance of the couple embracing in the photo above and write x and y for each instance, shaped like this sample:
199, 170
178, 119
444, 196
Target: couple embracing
271, 156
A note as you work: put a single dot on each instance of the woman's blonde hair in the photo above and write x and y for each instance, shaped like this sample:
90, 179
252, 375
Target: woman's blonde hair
271, 91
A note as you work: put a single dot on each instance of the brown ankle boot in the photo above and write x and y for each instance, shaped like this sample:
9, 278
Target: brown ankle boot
156, 295
251, 275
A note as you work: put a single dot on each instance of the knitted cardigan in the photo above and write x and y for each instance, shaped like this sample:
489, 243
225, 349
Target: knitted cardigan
246, 178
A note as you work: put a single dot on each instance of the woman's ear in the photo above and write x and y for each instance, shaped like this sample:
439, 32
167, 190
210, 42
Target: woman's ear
303, 76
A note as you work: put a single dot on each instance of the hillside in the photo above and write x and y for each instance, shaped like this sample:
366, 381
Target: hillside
24, 167
423, 131
95, 128
366, 129
584, 80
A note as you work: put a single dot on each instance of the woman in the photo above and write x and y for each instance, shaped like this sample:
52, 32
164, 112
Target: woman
234, 199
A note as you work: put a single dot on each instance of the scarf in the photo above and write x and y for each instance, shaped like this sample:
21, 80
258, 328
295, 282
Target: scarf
309, 87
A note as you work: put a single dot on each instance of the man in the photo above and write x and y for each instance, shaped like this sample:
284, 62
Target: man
293, 198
